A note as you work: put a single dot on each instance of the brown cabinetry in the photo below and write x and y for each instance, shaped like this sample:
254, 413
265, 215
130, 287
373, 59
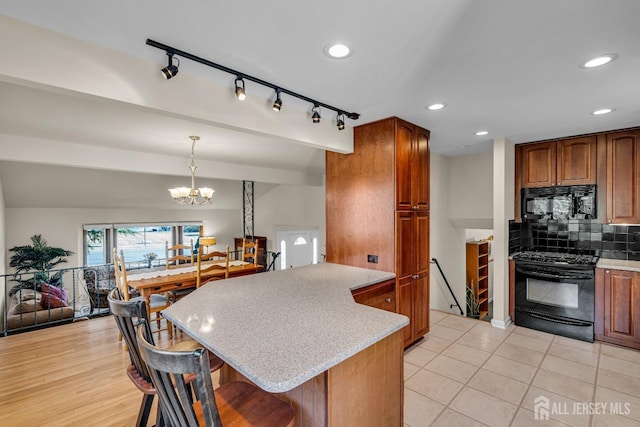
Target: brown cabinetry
618, 307
412, 166
623, 177
563, 162
478, 274
377, 211
379, 295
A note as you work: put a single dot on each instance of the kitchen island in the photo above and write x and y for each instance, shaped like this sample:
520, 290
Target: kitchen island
298, 333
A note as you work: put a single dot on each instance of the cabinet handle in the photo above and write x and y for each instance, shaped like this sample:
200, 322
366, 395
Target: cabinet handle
387, 300
416, 276
608, 271
609, 221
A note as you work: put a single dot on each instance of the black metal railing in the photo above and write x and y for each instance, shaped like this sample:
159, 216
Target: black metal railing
435, 261
86, 289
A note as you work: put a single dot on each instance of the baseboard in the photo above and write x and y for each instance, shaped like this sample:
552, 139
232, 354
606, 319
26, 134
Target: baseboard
501, 324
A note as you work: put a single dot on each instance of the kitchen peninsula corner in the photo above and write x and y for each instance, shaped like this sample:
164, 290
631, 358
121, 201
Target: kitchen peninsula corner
299, 333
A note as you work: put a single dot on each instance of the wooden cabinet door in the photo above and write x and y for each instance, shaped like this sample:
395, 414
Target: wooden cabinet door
420, 183
538, 165
404, 158
405, 247
421, 281
622, 307
623, 177
576, 161
405, 306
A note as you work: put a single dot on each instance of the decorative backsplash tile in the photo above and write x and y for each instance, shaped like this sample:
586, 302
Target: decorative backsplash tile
580, 236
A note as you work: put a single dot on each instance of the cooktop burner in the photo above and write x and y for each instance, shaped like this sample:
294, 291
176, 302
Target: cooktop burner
556, 258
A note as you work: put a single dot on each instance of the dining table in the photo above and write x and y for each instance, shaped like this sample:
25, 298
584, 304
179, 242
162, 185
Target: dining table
162, 281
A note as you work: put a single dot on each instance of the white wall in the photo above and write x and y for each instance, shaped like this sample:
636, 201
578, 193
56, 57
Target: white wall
503, 207
291, 207
3, 252
471, 190
63, 227
447, 242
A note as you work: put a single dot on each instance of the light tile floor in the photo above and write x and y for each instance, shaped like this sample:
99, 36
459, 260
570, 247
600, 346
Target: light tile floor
467, 373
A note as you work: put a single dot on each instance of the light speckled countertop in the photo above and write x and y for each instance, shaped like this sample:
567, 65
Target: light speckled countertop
282, 328
619, 264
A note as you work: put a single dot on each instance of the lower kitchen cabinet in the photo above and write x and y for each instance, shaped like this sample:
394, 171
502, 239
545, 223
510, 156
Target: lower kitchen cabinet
413, 302
618, 307
379, 295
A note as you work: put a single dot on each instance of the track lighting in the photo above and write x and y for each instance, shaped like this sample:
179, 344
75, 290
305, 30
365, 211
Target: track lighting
277, 104
316, 114
170, 70
240, 93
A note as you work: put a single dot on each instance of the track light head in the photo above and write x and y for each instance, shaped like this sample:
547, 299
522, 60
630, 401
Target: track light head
240, 93
340, 122
170, 70
316, 114
277, 104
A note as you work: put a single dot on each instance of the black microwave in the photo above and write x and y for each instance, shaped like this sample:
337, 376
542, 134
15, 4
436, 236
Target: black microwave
561, 202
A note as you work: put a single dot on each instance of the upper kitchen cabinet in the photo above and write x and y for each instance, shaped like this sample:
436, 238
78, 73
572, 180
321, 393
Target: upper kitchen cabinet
623, 177
564, 162
412, 165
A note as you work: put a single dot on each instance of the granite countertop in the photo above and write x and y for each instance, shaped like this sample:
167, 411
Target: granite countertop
282, 328
619, 264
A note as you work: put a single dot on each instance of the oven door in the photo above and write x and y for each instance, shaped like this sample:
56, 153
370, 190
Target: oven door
556, 292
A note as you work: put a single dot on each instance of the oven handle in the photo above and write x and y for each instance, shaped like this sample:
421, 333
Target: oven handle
535, 273
558, 320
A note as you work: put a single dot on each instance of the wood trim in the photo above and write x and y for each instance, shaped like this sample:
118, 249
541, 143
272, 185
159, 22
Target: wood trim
599, 304
601, 177
518, 184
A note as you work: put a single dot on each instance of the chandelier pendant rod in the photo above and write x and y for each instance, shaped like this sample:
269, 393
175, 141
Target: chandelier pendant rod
173, 51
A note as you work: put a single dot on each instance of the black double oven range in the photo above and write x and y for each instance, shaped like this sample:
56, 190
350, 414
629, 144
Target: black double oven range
555, 284
554, 292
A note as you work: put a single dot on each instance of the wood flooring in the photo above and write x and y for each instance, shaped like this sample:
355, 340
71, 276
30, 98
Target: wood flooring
68, 375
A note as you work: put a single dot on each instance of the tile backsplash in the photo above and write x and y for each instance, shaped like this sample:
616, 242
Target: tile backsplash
576, 236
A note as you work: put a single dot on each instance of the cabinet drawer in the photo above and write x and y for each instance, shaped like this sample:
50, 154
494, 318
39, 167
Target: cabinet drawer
380, 295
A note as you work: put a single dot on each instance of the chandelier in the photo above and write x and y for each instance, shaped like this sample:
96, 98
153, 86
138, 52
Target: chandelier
193, 195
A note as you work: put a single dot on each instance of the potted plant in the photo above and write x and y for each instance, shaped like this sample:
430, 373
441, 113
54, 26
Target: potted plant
473, 307
149, 257
38, 258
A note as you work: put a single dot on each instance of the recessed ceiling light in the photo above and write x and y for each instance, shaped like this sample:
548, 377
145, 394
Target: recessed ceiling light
599, 60
482, 133
602, 111
462, 147
434, 107
337, 50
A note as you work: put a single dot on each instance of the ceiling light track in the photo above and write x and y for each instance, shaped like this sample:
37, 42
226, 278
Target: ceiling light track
171, 51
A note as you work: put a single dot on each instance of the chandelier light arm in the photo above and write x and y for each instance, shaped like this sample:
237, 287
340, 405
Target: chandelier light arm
192, 196
173, 51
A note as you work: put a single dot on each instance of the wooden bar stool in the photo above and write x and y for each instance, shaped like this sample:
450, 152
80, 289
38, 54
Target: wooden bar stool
232, 404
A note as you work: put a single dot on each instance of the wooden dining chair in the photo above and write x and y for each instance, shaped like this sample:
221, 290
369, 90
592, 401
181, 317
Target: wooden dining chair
175, 258
210, 261
157, 302
249, 251
127, 314
175, 255
232, 404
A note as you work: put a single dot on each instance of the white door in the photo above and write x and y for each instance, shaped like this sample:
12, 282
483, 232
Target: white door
297, 248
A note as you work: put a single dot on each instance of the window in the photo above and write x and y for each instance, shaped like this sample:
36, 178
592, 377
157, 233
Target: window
141, 243
300, 241
283, 255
